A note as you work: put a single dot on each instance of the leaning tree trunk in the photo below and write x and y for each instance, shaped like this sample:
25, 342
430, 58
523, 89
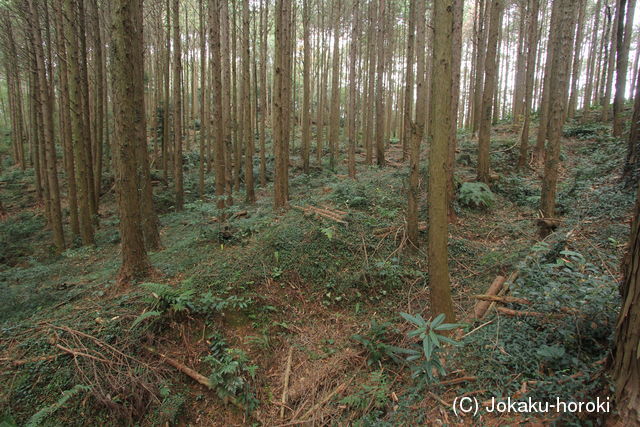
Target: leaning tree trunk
626, 360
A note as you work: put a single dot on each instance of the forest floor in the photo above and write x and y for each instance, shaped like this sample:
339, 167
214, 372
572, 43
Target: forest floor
311, 298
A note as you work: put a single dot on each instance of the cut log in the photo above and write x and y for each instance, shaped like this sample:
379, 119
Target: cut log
482, 306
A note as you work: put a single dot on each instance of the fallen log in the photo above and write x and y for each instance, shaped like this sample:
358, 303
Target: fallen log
520, 313
482, 307
502, 299
505, 287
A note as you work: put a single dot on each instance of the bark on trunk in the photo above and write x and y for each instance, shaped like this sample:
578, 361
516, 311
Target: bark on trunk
626, 362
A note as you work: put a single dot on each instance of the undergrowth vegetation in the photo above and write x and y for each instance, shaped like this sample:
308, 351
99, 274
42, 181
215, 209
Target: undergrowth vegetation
229, 298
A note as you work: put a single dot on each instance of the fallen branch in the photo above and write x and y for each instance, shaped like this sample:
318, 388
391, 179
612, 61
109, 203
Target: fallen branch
324, 400
519, 313
285, 389
76, 353
20, 362
502, 299
194, 375
454, 381
571, 377
439, 399
384, 232
336, 216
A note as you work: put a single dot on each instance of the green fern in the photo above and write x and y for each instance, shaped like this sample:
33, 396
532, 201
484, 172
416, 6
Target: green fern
476, 195
144, 316
38, 418
231, 373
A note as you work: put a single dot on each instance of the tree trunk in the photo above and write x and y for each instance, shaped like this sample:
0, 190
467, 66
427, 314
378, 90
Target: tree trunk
368, 119
456, 57
66, 134
409, 81
440, 130
532, 45
417, 126
246, 102
281, 89
228, 114
351, 161
203, 100
577, 61
631, 172
264, 18
588, 90
517, 108
177, 107
611, 59
166, 150
563, 42
128, 92
98, 104
88, 137
217, 121
380, 84
334, 120
626, 363
481, 54
543, 110
306, 91
484, 137
46, 102
623, 42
